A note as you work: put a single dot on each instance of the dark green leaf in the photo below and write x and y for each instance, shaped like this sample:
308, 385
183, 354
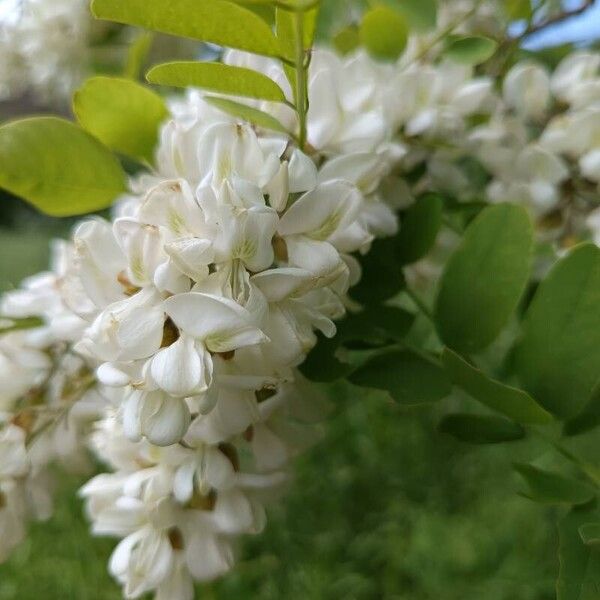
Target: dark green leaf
322, 365
471, 50
247, 113
579, 575
216, 21
558, 357
485, 278
57, 167
481, 429
419, 228
552, 488
590, 533
408, 378
512, 402
122, 114
384, 32
217, 77
377, 325
382, 275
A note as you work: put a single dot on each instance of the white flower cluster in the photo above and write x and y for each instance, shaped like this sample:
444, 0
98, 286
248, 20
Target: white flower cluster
192, 310
542, 144
44, 47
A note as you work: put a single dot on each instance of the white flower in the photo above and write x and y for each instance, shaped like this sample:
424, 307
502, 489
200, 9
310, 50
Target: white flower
526, 89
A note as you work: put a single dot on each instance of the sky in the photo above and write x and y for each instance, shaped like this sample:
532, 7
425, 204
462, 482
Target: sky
582, 29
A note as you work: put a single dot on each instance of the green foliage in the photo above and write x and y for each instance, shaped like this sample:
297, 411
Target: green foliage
322, 364
420, 14
57, 167
587, 419
518, 9
470, 50
374, 327
382, 275
419, 228
551, 488
484, 278
384, 32
481, 429
217, 77
347, 39
137, 55
217, 21
590, 533
122, 114
558, 357
510, 401
408, 378
579, 576
247, 113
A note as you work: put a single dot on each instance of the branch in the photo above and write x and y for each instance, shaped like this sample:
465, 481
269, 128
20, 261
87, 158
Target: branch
554, 19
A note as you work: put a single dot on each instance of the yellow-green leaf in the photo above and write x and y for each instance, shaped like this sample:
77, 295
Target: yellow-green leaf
217, 21
247, 113
59, 168
384, 32
122, 114
217, 77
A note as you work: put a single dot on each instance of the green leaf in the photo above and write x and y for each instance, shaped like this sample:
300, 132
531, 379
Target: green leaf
57, 167
138, 54
247, 113
122, 114
347, 40
216, 21
511, 402
322, 365
587, 419
382, 275
421, 14
419, 228
470, 50
579, 574
518, 9
590, 533
485, 278
558, 357
481, 429
373, 327
8, 324
217, 77
551, 488
377, 325
408, 378
384, 32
